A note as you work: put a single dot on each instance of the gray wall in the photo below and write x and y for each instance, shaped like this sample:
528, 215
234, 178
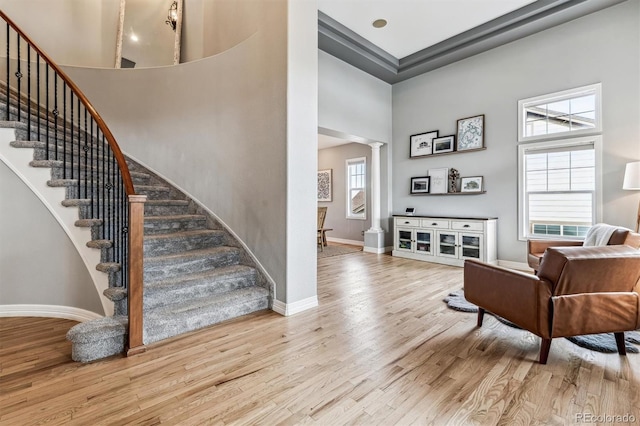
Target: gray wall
72, 32
217, 128
602, 47
335, 159
351, 101
38, 263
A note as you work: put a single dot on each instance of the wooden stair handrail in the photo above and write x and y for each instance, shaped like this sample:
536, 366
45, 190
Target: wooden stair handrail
135, 343
117, 153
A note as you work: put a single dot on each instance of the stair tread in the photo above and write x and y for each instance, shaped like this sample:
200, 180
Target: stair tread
193, 233
175, 217
168, 202
212, 302
193, 253
218, 274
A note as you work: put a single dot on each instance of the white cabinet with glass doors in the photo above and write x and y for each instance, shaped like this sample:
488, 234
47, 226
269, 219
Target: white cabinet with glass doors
445, 240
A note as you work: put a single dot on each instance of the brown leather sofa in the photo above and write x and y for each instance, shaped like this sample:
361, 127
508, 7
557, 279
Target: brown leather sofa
536, 248
578, 290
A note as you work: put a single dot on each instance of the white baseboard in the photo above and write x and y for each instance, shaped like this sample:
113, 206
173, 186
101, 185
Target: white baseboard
288, 309
343, 241
381, 250
520, 266
49, 311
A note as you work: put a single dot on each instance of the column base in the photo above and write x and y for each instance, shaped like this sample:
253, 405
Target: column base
374, 241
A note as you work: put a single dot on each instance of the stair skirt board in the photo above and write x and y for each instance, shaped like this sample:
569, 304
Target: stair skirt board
48, 311
197, 271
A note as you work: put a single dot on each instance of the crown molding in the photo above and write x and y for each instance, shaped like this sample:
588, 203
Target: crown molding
341, 42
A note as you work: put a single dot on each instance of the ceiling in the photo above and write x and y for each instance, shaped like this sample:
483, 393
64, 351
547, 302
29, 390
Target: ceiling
414, 25
423, 35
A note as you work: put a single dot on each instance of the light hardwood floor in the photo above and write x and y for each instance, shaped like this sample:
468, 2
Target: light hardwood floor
382, 348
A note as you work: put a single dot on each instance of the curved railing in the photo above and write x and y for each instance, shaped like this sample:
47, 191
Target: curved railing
89, 163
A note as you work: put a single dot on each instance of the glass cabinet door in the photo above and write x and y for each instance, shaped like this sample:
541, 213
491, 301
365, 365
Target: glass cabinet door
471, 246
404, 239
424, 242
447, 244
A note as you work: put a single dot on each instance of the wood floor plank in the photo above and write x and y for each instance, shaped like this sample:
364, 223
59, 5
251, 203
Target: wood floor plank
381, 348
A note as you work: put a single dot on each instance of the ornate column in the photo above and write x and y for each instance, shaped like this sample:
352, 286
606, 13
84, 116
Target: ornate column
374, 237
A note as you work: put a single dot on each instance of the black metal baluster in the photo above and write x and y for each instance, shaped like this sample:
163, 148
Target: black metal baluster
78, 132
104, 198
71, 132
56, 112
46, 98
28, 101
87, 163
38, 98
19, 77
93, 172
6, 114
64, 124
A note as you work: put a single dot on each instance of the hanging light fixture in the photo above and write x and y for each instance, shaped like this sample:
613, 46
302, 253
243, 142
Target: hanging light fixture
172, 17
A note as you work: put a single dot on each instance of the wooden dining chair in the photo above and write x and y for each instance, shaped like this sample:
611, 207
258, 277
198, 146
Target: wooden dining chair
322, 214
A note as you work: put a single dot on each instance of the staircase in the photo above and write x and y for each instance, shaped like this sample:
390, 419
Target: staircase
195, 272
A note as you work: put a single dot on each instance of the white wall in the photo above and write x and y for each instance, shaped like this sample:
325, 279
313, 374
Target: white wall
38, 263
602, 47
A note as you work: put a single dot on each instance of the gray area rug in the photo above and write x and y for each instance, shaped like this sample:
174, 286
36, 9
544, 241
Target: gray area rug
331, 250
605, 342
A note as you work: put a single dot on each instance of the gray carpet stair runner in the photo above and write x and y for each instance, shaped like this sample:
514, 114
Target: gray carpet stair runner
195, 273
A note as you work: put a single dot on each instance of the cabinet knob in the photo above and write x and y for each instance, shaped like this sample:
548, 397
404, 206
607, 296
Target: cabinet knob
407, 222
434, 224
466, 226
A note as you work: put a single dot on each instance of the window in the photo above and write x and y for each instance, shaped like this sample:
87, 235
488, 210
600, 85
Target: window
571, 112
559, 187
356, 188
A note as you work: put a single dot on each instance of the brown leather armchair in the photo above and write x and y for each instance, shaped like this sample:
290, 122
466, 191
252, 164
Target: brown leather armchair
578, 290
536, 248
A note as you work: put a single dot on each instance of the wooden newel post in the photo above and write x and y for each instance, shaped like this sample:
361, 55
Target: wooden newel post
136, 290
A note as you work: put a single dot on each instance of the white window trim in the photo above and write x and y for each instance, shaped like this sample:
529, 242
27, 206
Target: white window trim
559, 96
349, 215
596, 140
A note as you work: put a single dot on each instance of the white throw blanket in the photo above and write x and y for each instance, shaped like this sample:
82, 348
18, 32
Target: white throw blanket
599, 234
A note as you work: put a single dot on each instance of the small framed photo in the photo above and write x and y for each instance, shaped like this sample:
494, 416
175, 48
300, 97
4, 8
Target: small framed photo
439, 180
324, 185
444, 144
422, 144
420, 185
471, 133
471, 184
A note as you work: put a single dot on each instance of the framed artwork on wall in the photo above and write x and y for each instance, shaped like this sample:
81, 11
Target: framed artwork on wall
471, 133
422, 144
471, 184
439, 180
444, 144
325, 192
420, 185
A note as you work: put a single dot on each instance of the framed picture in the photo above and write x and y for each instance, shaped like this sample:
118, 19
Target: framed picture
325, 192
444, 144
471, 133
420, 185
471, 184
422, 144
439, 180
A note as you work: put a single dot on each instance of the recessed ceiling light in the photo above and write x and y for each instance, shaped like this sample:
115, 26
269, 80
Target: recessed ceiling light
379, 23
